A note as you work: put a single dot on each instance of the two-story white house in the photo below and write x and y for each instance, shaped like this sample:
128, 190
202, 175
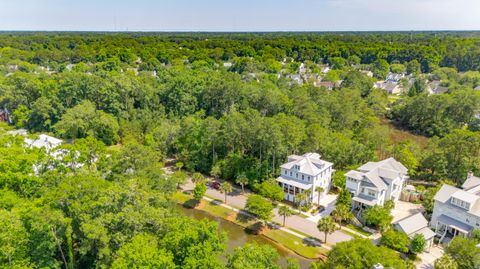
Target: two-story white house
376, 182
306, 172
457, 211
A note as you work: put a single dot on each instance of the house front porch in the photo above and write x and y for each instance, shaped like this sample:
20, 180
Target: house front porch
292, 187
446, 228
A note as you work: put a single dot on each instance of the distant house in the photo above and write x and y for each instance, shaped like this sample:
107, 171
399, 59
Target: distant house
325, 69
394, 77
388, 86
306, 172
43, 141
376, 182
477, 88
327, 84
21, 132
457, 211
227, 64
296, 78
416, 224
434, 87
368, 73
5, 116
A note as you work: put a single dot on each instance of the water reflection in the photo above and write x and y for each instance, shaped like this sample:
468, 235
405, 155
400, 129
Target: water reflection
238, 237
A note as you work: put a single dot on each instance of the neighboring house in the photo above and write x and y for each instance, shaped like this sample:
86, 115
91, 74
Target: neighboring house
297, 78
434, 87
5, 116
457, 211
22, 132
325, 69
394, 77
388, 86
376, 182
477, 88
43, 141
327, 84
306, 172
416, 224
367, 72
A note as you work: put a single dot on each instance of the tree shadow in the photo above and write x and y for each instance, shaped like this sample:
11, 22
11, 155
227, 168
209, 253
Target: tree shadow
255, 228
311, 242
216, 202
244, 218
191, 203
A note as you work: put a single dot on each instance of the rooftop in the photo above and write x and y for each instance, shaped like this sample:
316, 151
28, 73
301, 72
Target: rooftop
308, 164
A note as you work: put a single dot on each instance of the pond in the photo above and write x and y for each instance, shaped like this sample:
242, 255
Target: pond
238, 237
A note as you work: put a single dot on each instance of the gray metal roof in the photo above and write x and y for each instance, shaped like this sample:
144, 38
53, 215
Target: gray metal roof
453, 223
412, 223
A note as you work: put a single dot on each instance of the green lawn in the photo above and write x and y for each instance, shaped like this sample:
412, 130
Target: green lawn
296, 244
357, 229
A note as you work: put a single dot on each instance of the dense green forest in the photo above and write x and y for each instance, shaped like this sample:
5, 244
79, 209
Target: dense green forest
224, 105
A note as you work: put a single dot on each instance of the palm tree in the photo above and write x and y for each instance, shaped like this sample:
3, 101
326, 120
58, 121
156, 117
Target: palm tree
327, 226
341, 213
226, 188
307, 194
197, 177
179, 165
285, 212
319, 190
299, 198
242, 180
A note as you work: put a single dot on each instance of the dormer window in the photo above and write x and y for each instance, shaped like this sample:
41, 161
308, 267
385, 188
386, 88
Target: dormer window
460, 203
297, 167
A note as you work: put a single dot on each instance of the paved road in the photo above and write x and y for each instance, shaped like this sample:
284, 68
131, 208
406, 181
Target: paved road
238, 200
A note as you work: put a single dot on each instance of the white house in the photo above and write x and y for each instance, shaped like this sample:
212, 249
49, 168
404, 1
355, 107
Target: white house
457, 211
376, 182
416, 224
43, 141
306, 172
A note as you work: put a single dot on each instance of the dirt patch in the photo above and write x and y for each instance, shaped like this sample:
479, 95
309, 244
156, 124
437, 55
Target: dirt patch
232, 216
201, 205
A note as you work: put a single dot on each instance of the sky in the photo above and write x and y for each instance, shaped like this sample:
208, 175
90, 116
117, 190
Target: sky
240, 15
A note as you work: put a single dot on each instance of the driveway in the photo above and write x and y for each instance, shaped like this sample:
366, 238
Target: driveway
404, 209
428, 258
238, 200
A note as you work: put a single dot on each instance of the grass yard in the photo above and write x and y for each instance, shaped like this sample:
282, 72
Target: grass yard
296, 244
357, 229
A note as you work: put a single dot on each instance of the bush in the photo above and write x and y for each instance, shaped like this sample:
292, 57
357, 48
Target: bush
395, 240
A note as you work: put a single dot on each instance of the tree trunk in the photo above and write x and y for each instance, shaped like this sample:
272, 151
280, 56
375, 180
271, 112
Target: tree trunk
325, 237
225, 198
284, 217
59, 247
243, 190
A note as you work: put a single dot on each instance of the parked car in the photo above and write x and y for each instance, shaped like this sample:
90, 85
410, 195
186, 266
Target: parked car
215, 185
321, 208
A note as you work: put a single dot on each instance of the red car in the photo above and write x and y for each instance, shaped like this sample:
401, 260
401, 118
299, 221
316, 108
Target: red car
215, 185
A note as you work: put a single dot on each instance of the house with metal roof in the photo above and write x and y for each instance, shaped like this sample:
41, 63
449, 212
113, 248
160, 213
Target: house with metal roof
416, 224
374, 183
306, 172
456, 211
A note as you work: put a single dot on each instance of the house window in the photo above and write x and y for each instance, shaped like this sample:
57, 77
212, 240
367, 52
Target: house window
290, 173
296, 175
371, 193
303, 177
285, 172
